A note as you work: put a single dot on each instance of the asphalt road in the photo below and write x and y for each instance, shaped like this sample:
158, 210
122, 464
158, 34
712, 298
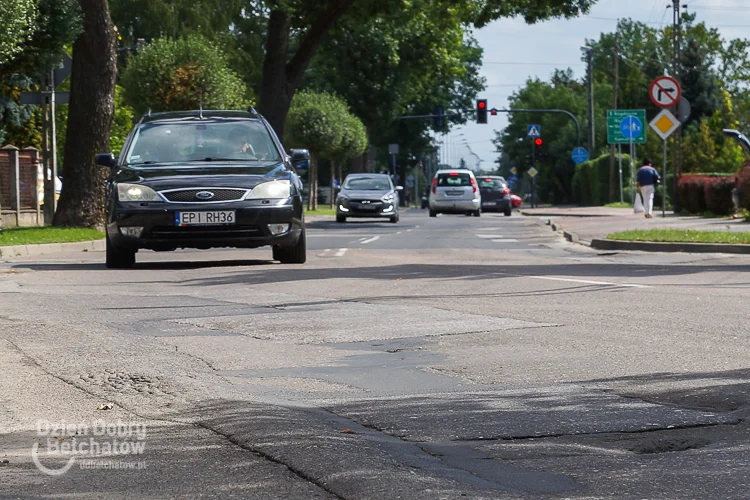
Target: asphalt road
434, 358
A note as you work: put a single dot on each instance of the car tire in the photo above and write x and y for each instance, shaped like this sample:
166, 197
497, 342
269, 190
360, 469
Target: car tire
469, 214
340, 219
508, 212
394, 219
292, 255
477, 213
433, 213
117, 259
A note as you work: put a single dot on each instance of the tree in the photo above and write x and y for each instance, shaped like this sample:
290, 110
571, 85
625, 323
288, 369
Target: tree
296, 29
353, 143
316, 122
92, 91
699, 82
169, 75
18, 25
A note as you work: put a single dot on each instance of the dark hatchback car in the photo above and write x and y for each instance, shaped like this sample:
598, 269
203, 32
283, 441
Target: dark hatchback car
203, 179
369, 196
495, 194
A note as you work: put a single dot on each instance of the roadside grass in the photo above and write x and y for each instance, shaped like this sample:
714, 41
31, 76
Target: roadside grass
36, 235
617, 204
321, 211
682, 236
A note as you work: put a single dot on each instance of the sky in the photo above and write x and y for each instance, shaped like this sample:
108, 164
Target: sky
515, 51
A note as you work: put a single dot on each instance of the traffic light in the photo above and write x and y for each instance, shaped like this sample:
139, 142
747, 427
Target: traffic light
493, 112
438, 118
482, 111
538, 142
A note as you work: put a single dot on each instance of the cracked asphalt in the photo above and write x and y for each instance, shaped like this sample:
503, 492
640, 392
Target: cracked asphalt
456, 357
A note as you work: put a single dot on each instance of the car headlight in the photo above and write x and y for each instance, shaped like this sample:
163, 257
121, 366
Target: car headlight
136, 192
273, 189
388, 198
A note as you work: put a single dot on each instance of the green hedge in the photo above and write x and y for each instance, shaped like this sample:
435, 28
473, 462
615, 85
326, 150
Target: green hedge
591, 181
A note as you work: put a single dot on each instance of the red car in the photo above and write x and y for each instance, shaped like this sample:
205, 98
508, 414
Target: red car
515, 201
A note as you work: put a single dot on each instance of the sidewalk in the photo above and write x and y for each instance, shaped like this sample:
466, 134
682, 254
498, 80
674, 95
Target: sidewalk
592, 225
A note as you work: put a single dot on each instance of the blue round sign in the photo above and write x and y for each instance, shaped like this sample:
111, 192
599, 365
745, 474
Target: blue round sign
580, 155
631, 127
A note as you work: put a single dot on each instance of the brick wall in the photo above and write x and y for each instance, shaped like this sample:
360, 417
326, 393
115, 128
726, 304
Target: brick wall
28, 160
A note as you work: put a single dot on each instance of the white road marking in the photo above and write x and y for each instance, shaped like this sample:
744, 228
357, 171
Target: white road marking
341, 252
399, 232
370, 240
588, 282
509, 240
489, 236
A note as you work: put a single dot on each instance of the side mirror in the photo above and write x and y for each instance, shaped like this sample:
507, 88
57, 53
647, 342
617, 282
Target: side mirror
399, 188
300, 158
105, 160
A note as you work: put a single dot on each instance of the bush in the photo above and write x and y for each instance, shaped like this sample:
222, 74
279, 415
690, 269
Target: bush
691, 193
718, 194
591, 181
174, 75
744, 179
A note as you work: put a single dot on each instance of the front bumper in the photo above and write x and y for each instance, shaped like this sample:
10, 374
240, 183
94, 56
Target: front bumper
374, 209
160, 231
455, 206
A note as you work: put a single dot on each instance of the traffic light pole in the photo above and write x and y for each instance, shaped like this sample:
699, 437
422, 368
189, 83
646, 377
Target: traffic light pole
533, 178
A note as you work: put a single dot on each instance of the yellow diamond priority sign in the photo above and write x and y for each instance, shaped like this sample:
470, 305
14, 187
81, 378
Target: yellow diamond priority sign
664, 124
533, 172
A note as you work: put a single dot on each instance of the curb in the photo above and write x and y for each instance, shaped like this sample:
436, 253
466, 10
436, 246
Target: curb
46, 248
647, 246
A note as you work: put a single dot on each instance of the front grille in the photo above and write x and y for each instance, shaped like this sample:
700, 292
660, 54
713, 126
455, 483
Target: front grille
367, 203
215, 232
189, 195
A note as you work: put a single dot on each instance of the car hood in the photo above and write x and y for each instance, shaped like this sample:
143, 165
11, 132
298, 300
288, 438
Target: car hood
365, 195
175, 176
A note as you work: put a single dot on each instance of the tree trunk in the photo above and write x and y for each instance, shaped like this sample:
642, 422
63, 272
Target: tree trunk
333, 180
312, 179
281, 79
91, 109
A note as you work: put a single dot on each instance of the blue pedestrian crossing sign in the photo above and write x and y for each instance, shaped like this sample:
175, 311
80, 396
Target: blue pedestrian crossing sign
580, 155
534, 131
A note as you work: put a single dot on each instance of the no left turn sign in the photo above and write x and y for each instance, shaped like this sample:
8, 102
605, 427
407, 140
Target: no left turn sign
665, 92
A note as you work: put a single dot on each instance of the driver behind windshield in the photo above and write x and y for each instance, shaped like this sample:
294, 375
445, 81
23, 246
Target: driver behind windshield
239, 142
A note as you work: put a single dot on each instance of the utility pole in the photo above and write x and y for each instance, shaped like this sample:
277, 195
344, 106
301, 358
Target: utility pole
677, 138
590, 61
615, 70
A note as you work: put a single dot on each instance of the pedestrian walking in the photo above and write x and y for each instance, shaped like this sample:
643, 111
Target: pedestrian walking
647, 179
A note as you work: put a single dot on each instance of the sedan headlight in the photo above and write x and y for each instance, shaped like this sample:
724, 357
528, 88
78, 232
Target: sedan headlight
388, 198
273, 189
136, 192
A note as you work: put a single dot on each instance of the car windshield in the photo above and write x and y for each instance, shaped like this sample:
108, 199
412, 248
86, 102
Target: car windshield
454, 179
367, 183
491, 183
201, 140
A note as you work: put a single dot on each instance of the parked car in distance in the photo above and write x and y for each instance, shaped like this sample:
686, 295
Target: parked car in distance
368, 196
495, 194
455, 191
203, 179
516, 201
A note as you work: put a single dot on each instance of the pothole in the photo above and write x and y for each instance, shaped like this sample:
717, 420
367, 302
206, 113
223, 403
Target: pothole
667, 445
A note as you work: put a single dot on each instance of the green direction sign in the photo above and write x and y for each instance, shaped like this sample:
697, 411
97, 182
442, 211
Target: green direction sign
626, 121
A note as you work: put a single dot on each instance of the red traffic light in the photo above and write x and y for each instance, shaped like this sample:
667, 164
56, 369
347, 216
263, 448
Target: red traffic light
538, 141
481, 104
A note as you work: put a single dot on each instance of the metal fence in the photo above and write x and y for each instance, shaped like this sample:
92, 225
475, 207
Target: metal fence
20, 179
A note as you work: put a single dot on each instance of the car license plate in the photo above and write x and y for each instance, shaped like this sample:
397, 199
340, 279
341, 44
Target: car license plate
205, 218
454, 193
489, 203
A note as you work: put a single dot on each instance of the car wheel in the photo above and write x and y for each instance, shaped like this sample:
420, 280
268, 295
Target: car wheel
469, 214
433, 213
340, 219
394, 219
117, 259
508, 212
477, 213
292, 255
